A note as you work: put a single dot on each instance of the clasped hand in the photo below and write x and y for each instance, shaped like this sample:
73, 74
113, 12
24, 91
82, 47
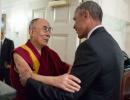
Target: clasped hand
66, 81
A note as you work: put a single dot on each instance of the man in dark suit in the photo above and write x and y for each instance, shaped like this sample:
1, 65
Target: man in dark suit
7, 47
98, 62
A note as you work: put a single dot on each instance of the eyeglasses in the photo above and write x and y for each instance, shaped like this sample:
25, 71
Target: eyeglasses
47, 29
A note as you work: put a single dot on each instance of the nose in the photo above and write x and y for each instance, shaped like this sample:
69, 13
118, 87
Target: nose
48, 34
74, 26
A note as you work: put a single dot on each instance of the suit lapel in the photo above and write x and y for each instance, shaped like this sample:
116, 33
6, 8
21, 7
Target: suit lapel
3, 44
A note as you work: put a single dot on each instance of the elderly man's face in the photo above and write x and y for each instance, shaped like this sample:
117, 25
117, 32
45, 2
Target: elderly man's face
41, 32
81, 24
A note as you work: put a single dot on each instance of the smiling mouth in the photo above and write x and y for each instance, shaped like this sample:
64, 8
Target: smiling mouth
46, 40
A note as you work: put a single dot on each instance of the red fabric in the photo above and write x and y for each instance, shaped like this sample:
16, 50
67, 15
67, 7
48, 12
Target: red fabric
50, 65
1, 78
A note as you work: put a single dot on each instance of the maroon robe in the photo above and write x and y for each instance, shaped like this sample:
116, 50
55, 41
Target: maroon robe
50, 65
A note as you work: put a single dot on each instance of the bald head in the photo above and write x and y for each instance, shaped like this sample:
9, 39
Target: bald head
36, 22
39, 30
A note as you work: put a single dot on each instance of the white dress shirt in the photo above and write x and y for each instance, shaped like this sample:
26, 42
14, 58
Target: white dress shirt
89, 34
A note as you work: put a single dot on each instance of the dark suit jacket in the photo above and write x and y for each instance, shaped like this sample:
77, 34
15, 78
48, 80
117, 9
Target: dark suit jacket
99, 65
7, 48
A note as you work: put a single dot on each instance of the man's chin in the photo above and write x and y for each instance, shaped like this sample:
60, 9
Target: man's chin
80, 37
44, 44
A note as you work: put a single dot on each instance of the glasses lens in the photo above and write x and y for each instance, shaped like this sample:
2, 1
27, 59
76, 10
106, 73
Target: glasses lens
47, 29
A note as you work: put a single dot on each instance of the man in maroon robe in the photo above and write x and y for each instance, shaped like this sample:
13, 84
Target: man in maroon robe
41, 62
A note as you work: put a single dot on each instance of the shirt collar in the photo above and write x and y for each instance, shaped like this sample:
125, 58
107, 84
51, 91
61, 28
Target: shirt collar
3, 40
89, 34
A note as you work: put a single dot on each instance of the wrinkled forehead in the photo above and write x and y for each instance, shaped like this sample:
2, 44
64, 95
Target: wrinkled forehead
41, 23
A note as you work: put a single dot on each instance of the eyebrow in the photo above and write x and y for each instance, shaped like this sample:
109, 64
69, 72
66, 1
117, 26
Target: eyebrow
47, 26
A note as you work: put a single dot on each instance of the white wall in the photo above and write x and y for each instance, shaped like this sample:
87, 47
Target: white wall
63, 39
115, 19
19, 14
127, 41
0, 17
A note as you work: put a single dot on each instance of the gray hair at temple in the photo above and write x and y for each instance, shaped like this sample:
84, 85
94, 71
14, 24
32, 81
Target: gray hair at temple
31, 25
93, 8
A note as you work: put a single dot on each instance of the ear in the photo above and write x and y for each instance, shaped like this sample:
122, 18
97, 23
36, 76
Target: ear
30, 32
86, 14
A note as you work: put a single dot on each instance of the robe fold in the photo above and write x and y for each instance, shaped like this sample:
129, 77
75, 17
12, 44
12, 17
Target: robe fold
50, 65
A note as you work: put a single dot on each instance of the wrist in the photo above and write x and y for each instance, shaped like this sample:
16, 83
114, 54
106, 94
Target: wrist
32, 75
54, 81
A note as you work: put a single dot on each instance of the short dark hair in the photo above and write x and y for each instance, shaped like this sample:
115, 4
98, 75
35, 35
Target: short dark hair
93, 8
